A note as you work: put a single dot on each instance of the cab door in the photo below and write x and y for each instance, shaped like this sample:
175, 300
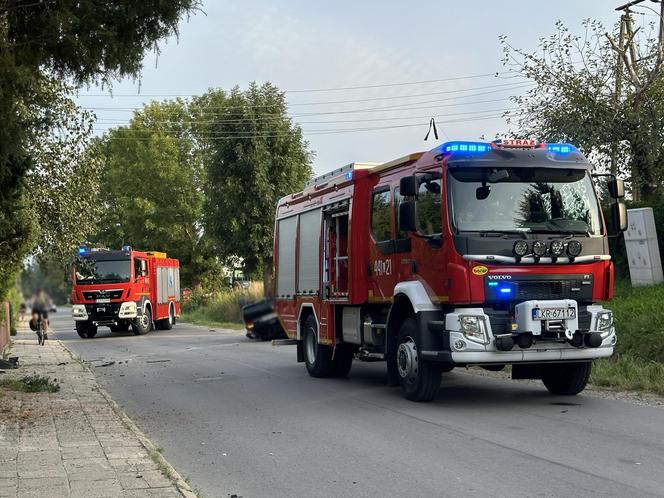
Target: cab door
381, 246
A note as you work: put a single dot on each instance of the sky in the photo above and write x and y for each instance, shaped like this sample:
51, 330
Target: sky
313, 45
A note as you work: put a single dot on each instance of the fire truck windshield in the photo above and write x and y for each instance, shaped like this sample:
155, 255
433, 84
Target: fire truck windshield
93, 271
536, 200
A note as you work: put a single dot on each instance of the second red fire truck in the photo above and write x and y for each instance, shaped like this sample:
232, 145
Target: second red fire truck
473, 253
123, 289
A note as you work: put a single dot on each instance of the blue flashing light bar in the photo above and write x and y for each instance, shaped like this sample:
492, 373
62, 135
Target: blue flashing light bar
561, 148
82, 250
506, 290
469, 148
493, 284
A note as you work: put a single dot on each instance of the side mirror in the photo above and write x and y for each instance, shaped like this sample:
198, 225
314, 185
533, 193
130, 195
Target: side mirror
619, 215
407, 187
616, 188
407, 219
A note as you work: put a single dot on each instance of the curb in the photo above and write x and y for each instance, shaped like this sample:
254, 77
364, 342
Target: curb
181, 485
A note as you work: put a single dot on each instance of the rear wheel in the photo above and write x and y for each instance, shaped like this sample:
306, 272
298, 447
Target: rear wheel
143, 323
419, 379
566, 378
317, 357
167, 323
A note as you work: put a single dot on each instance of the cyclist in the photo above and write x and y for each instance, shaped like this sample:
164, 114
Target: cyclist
40, 302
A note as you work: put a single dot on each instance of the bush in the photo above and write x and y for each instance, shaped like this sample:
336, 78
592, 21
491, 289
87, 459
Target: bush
221, 307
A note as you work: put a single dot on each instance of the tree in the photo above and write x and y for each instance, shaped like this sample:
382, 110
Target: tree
63, 182
254, 155
45, 42
580, 96
152, 190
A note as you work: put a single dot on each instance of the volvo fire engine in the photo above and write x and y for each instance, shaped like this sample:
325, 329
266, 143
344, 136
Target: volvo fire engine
473, 253
123, 289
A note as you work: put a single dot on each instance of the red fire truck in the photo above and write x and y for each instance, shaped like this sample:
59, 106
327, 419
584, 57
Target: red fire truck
473, 253
124, 288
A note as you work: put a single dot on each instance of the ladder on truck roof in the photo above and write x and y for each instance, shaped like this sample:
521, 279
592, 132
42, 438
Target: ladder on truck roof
374, 167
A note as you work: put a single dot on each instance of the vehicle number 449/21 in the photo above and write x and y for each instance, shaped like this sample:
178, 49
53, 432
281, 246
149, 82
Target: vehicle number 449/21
383, 267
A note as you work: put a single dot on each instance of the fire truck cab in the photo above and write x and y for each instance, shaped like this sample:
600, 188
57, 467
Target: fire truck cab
122, 289
473, 253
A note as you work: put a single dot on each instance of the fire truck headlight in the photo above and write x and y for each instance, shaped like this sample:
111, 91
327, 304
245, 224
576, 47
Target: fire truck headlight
474, 328
128, 310
78, 312
604, 322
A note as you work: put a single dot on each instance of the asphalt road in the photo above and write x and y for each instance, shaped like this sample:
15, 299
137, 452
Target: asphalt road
243, 418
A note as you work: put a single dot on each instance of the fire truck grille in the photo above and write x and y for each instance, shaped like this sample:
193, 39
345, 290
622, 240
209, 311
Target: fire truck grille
551, 289
95, 294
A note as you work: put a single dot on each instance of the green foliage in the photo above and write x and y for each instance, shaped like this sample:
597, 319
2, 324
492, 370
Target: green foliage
51, 276
221, 308
152, 187
43, 44
638, 363
30, 384
638, 315
254, 155
574, 100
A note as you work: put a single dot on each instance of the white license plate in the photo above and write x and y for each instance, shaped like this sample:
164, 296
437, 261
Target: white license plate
104, 300
101, 310
554, 313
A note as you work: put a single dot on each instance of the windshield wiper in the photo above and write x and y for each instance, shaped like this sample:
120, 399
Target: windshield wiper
500, 233
562, 232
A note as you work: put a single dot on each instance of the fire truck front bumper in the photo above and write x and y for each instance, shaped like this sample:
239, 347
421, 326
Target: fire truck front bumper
104, 313
470, 339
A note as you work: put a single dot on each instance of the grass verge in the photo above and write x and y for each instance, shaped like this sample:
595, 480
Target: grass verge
30, 384
638, 364
200, 317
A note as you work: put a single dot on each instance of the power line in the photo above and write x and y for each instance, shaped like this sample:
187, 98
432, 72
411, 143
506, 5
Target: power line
251, 120
317, 132
314, 90
371, 109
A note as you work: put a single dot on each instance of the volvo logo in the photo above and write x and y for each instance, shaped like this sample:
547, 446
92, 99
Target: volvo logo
500, 277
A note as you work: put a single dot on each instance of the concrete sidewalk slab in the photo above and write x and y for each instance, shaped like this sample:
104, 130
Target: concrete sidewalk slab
76, 442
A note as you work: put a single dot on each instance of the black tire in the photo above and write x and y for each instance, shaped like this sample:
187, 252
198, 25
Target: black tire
343, 360
143, 323
86, 330
167, 323
317, 357
566, 379
419, 379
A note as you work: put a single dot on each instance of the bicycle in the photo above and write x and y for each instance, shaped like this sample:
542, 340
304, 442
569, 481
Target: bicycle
41, 333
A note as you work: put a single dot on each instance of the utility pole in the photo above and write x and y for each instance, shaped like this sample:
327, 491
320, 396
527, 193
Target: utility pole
627, 61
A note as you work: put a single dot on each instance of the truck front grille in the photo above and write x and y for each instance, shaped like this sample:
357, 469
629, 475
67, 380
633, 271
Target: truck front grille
103, 294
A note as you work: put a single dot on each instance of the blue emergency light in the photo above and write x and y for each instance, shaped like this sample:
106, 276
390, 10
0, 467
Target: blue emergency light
349, 175
82, 250
561, 148
469, 148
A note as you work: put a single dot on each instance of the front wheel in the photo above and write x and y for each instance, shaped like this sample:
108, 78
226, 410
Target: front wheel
566, 378
317, 357
419, 379
86, 330
143, 323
